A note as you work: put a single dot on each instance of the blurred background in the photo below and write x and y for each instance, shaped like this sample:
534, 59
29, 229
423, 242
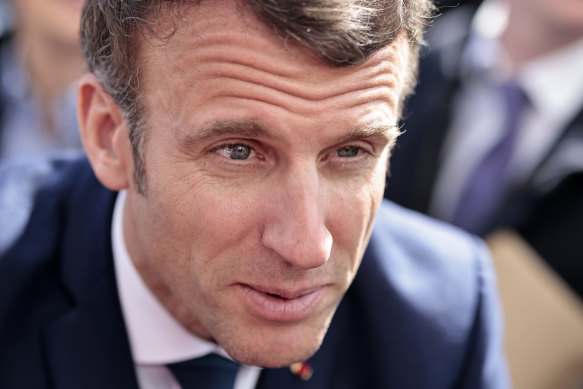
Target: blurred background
493, 144
40, 60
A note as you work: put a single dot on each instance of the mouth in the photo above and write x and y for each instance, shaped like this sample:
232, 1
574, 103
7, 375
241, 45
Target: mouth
280, 305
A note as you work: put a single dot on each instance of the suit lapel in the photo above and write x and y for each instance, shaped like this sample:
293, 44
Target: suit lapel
88, 347
283, 378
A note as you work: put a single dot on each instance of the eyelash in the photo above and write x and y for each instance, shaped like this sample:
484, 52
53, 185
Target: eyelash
340, 162
232, 145
347, 162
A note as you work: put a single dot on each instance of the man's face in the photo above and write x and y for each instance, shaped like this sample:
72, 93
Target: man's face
265, 170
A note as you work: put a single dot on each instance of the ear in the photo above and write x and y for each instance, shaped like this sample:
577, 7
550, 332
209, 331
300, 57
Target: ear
104, 134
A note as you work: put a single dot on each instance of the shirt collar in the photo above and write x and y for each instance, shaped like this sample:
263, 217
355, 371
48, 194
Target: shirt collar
156, 337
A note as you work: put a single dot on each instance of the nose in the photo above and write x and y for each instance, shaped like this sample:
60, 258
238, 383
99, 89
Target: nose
296, 229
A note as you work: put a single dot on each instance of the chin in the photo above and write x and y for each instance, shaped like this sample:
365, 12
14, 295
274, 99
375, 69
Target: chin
276, 346
284, 356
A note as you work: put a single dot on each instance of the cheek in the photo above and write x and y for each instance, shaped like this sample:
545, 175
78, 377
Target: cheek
353, 209
189, 233
209, 220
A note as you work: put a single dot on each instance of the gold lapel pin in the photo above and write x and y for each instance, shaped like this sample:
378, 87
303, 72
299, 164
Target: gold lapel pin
303, 370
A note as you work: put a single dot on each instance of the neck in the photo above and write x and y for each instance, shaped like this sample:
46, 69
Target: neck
154, 282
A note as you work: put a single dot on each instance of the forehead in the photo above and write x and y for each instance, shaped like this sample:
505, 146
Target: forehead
221, 49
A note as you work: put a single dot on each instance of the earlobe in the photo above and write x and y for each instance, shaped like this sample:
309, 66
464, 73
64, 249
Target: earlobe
104, 134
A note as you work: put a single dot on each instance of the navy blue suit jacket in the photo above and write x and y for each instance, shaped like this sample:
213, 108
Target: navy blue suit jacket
421, 313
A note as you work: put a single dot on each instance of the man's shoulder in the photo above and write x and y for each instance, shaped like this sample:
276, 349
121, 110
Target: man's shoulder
425, 300
411, 232
412, 247
53, 211
428, 267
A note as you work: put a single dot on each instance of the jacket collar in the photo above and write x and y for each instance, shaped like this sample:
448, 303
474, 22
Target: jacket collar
88, 346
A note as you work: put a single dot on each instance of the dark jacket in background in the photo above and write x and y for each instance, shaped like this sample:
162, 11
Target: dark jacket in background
547, 209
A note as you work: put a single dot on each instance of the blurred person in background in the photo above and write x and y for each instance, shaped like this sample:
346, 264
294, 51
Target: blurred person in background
494, 133
40, 60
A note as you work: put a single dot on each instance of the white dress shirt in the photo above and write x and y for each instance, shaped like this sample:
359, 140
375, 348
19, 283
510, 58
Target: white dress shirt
156, 337
553, 84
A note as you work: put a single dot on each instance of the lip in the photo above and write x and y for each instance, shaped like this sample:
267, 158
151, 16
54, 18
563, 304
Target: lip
280, 305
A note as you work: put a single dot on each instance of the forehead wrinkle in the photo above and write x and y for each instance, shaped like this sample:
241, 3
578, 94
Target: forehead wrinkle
226, 47
251, 87
304, 82
218, 54
237, 49
235, 80
267, 86
219, 48
357, 99
246, 81
296, 107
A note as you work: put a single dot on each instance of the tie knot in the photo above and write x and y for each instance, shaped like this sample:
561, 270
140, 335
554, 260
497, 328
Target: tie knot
210, 371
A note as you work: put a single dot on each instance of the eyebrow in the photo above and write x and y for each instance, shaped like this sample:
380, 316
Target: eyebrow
245, 128
252, 129
386, 130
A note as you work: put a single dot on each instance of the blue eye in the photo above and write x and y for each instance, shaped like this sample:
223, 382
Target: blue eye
236, 151
239, 151
348, 151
